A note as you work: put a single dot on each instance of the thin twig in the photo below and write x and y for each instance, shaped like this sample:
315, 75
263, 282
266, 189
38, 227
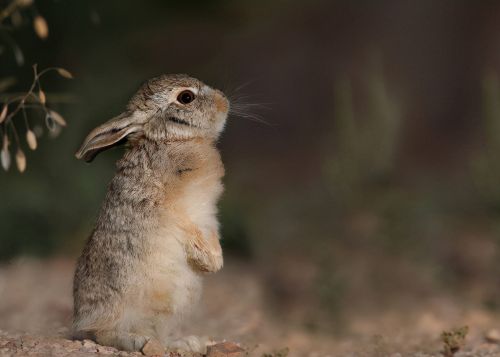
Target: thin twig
8, 10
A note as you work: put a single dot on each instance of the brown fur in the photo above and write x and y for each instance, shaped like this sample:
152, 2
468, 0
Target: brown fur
156, 232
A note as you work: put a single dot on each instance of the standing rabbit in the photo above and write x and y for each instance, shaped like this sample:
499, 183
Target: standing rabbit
157, 230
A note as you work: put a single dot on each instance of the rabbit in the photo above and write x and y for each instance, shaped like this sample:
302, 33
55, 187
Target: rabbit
157, 232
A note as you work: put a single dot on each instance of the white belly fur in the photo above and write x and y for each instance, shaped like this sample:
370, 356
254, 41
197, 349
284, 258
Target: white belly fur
172, 287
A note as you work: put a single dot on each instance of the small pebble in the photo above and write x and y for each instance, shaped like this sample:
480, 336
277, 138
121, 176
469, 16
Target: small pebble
88, 343
493, 336
106, 350
153, 348
225, 349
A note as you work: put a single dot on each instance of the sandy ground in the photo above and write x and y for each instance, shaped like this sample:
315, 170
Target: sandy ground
35, 310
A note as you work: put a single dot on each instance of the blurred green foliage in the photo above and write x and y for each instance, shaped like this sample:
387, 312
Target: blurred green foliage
486, 167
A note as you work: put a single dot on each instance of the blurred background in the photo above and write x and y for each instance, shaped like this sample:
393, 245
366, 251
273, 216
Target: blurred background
370, 192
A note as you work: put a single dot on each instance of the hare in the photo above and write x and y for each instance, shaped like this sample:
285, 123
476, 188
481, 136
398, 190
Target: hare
157, 230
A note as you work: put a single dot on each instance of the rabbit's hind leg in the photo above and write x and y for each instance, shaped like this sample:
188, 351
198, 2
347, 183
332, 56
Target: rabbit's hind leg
188, 344
129, 342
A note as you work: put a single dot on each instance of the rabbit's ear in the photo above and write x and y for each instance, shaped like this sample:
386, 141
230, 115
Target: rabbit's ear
108, 135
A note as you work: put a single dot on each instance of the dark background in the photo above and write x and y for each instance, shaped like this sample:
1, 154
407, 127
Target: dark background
375, 179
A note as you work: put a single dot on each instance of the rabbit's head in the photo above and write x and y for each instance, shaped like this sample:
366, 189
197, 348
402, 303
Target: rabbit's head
169, 107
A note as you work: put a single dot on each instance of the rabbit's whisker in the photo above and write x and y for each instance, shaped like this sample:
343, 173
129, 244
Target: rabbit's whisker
245, 110
248, 115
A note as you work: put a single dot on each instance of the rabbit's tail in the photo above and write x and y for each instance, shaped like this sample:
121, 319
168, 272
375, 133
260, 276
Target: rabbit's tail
85, 322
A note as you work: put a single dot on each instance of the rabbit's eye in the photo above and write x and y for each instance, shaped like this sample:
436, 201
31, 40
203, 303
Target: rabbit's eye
185, 97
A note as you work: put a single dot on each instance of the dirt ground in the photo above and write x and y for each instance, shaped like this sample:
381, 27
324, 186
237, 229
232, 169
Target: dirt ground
35, 310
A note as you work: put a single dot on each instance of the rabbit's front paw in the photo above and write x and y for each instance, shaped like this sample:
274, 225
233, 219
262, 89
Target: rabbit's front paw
208, 252
218, 260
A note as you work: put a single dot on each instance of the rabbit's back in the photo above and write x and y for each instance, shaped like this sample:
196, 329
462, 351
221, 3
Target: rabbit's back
116, 248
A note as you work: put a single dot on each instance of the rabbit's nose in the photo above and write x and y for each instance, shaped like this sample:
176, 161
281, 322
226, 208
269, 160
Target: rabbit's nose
221, 102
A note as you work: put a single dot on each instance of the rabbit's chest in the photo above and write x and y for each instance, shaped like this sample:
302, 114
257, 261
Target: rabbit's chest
198, 200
